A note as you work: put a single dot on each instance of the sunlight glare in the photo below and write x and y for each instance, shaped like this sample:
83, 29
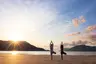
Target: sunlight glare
14, 52
15, 36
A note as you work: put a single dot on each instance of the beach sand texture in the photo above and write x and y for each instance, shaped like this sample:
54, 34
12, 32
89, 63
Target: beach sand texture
45, 59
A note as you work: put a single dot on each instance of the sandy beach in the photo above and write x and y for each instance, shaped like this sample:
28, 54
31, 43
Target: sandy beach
45, 59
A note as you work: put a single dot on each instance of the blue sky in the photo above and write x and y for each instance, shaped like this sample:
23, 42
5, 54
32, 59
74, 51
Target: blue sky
39, 21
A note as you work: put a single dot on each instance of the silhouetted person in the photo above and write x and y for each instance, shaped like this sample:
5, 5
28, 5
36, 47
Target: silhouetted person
62, 50
51, 50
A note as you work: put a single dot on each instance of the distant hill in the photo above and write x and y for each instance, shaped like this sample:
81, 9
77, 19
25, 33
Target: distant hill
18, 46
82, 48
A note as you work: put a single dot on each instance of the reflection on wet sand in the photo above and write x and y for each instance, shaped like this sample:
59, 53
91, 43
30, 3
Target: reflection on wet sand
45, 59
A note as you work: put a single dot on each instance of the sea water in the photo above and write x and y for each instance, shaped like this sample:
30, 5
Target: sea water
48, 52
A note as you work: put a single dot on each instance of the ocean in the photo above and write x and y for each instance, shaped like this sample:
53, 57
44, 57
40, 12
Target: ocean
47, 52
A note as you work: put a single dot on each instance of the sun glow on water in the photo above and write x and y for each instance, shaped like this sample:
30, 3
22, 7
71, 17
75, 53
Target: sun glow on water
14, 52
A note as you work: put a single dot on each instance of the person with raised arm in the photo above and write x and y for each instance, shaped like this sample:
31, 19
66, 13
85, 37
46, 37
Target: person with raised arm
52, 50
62, 50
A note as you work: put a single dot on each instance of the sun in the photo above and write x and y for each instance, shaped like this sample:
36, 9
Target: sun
15, 36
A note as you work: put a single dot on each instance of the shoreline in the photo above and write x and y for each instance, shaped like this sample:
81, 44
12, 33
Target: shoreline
47, 53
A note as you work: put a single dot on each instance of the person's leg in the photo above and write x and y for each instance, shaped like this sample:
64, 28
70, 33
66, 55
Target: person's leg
51, 56
61, 56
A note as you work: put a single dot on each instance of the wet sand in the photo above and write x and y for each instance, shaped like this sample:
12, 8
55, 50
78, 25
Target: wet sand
45, 59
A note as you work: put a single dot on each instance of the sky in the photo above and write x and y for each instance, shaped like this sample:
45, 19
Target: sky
40, 21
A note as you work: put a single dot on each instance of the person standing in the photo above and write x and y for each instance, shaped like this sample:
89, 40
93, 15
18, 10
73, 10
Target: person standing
62, 50
52, 50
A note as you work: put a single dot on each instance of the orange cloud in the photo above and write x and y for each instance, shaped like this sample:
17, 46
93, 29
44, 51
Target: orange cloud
73, 34
75, 22
91, 28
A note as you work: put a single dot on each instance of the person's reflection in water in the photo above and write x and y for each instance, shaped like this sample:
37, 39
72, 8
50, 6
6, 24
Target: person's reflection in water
62, 50
52, 50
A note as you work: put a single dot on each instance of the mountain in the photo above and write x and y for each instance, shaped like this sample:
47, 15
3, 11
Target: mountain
82, 48
18, 46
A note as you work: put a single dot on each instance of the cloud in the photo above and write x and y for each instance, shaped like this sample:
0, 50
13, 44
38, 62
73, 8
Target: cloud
73, 34
82, 19
90, 28
75, 22
92, 37
75, 43
79, 42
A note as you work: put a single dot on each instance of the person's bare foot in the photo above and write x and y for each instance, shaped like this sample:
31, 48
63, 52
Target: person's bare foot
54, 52
64, 53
